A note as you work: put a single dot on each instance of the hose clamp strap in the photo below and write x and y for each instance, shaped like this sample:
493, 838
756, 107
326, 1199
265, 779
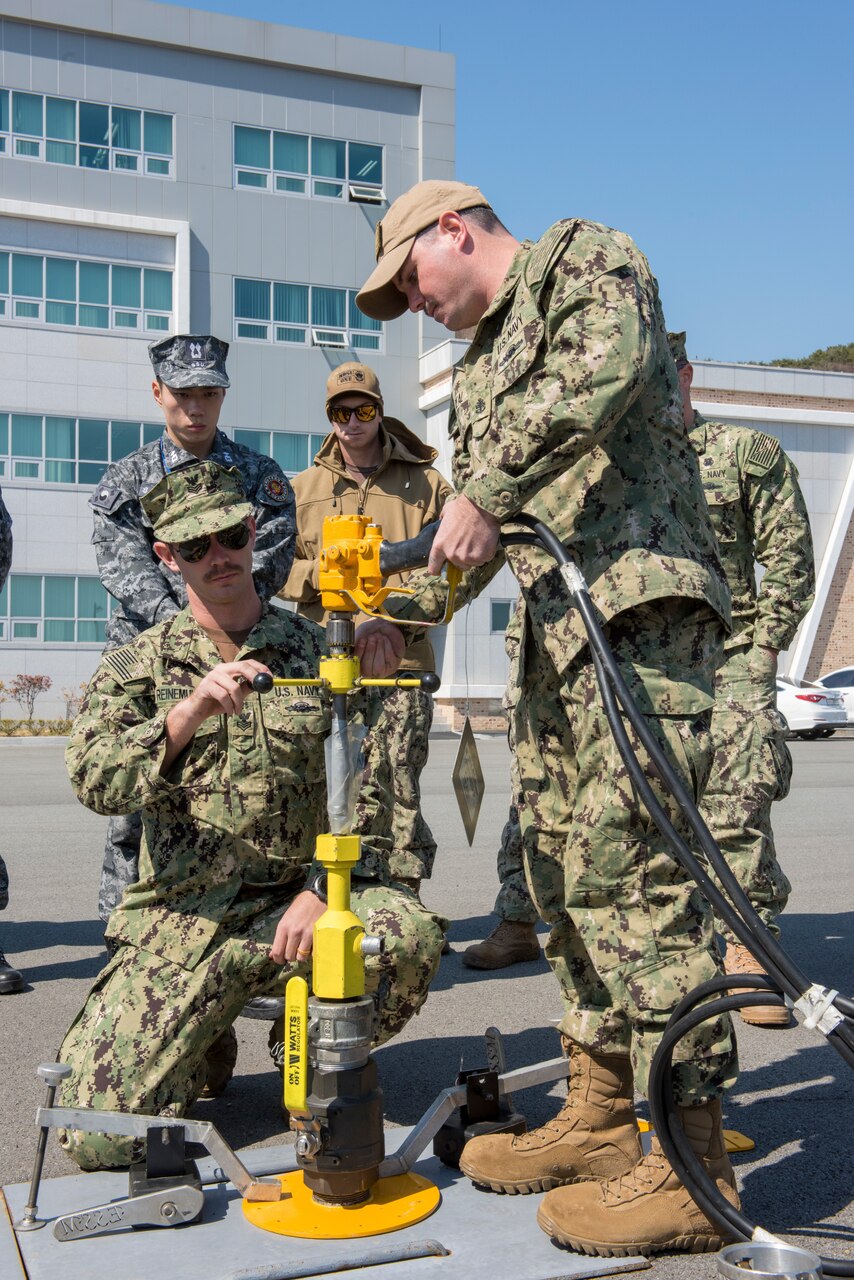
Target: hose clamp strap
816, 1004
573, 577
761, 1236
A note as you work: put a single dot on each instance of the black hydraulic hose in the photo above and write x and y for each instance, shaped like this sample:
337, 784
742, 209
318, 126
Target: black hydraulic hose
779, 965
751, 930
685, 1162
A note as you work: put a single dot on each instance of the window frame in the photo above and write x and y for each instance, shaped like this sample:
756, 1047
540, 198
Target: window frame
147, 158
32, 309
352, 191
9, 621
502, 603
13, 464
348, 337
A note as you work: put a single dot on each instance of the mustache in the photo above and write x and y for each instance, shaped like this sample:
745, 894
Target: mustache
221, 571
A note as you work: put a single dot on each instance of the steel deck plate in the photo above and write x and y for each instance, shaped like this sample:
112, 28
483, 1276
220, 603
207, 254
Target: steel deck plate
489, 1236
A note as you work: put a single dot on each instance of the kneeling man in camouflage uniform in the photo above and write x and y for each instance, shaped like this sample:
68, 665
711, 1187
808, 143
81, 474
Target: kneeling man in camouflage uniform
230, 787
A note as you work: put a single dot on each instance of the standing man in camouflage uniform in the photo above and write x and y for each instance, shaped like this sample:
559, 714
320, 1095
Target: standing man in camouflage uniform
230, 787
11, 979
371, 464
514, 938
566, 407
189, 386
760, 517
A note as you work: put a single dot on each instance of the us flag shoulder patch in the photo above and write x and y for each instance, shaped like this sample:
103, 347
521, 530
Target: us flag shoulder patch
127, 663
764, 451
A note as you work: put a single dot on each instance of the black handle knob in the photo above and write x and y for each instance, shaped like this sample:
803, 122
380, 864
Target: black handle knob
262, 683
430, 681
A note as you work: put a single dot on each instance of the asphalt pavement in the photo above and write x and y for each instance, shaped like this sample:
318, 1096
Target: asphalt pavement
794, 1096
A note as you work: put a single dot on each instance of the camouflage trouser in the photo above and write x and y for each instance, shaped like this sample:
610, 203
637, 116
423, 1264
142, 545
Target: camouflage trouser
514, 897
630, 934
751, 768
139, 1042
403, 731
121, 861
4, 885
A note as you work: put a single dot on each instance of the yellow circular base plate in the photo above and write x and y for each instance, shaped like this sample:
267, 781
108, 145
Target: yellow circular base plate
393, 1203
733, 1140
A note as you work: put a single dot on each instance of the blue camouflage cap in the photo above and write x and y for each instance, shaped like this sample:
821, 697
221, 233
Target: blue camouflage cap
190, 360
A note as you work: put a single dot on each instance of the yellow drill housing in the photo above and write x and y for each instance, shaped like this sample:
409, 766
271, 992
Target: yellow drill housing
349, 577
338, 970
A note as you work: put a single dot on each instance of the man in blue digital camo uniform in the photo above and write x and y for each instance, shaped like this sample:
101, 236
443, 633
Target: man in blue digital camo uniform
189, 386
566, 407
11, 979
760, 518
230, 787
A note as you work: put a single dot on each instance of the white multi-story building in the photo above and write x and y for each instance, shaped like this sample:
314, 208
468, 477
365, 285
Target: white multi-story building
167, 170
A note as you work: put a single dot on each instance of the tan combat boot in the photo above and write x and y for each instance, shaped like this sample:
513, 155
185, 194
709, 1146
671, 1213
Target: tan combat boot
511, 942
595, 1135
220, 1061
647, 1210
739, 960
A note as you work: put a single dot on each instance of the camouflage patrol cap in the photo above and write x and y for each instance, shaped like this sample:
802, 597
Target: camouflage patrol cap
414, 211
676, 342
190, 360
194, 500
351, 378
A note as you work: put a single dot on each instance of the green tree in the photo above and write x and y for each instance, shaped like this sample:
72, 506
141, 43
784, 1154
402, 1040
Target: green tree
838, 359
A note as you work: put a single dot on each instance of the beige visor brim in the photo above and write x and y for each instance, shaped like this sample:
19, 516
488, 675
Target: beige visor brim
378, 297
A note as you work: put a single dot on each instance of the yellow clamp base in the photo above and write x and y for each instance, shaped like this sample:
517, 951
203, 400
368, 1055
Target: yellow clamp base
733, 1140
394, 1203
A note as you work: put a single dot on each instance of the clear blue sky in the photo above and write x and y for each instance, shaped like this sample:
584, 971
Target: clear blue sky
718, 133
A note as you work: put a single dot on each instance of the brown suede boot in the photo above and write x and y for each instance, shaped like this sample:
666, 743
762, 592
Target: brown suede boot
647, 1210
220, 1061
739, 960
511, 942
595, 1135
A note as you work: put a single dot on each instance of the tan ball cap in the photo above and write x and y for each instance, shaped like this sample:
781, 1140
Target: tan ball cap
351, 378
415, 211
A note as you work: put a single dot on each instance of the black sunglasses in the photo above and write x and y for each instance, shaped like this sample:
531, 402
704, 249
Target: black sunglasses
233, 538
341, 413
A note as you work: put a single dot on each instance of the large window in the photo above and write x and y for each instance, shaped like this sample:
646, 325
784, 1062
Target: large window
58, 450
34, 126
84, 294
53, 609
293, 450
296, 164
270, 311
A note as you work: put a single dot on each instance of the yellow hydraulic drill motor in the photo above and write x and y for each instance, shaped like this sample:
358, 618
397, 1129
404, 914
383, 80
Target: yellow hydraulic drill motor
331, 1087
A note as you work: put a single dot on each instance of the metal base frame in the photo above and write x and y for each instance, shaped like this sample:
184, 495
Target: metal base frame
485, 1236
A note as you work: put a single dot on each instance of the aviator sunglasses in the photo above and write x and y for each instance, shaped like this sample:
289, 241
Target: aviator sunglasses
233, 538
341, 413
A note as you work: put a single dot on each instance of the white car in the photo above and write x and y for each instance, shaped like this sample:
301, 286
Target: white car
842, 680
809, 710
